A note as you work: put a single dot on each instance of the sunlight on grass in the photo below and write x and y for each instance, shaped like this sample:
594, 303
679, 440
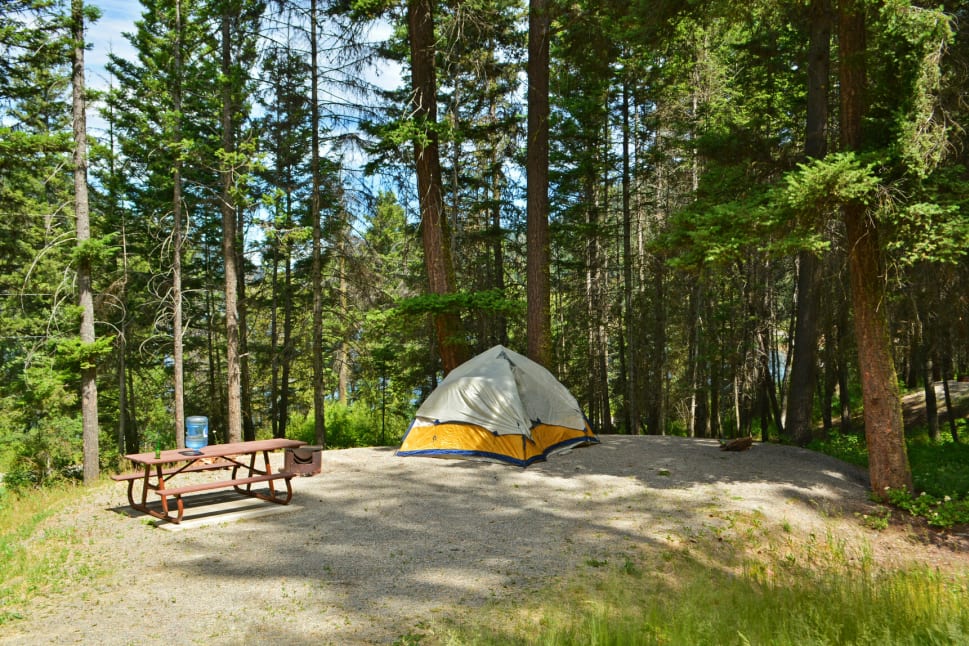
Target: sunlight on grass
814, 594
34, 559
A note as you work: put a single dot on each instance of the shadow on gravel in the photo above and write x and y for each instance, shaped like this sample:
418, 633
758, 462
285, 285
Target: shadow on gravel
381, 537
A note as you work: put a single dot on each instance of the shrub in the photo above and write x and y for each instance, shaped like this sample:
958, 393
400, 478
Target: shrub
944, 512
350, 426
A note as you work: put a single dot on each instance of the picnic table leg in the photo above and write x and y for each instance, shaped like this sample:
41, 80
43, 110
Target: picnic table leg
269, 469
143, 506
160, 488
165, 515
145, 486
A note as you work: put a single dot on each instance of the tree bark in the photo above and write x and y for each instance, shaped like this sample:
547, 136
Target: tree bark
656, 390
500, 325
89, 387
884, 430
233, 358
699, 418
452, 345
539, 317
949, 413
342, 358
804, 362
178, 355
245, 381
283, 411
274, 346
319, 392
631, 326
931, 403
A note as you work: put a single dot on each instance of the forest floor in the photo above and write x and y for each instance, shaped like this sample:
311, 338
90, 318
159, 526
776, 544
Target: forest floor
378, 547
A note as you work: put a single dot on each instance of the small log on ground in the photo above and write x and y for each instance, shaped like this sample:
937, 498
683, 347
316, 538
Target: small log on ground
737, 444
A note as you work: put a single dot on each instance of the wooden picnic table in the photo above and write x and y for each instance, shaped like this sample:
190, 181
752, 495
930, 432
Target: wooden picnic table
237, 457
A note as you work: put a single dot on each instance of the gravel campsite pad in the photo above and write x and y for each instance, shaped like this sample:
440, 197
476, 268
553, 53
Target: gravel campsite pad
377, 543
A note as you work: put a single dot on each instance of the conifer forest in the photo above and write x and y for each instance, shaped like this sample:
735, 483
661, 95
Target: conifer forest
707, 218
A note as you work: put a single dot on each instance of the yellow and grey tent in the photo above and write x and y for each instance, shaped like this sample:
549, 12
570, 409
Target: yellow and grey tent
498, 406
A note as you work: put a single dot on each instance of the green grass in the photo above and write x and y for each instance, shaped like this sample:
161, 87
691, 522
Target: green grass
939, 473
809, 595
849, 447
716, 592
939, 468
34, 559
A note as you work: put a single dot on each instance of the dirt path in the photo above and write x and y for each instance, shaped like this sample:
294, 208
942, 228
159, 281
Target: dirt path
377, 543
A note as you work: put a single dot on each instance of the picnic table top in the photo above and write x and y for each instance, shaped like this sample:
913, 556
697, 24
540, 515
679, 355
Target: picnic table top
213, 451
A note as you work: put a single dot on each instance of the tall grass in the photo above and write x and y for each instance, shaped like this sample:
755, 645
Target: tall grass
33, 559
820, 597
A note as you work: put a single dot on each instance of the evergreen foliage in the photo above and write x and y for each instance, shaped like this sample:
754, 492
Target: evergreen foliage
681, 198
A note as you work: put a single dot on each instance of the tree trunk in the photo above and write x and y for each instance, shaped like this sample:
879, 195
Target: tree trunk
342, 358
884, 430
713, 414
537, 262
844, 344
283, 411
245, 381
931, 404
655, 375
803, 377
178, 355
949, 413
123, 404
434, 229
233, 357
699, 412
828, 381
217, 428
89, 388
500, 327
276, 352
132, 439
319, 391
631, 324
600, 413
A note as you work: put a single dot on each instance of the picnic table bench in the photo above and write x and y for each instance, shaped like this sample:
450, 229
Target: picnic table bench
237, 457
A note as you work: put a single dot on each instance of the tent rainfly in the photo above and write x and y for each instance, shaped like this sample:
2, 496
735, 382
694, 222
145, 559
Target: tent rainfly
498, 406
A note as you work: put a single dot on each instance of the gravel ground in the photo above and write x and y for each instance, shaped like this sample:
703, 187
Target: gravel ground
377, 544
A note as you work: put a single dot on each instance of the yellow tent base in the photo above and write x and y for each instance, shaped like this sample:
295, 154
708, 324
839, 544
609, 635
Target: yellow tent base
457, 440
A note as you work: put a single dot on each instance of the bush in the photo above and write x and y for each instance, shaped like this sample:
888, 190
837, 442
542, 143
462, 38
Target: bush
849, 447
20, 477
352, 426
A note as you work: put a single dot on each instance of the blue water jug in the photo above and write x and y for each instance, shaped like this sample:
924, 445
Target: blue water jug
196, 432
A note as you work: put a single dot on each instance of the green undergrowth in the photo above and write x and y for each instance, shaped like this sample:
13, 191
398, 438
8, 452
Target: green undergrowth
939, 474
812, 594
35, 559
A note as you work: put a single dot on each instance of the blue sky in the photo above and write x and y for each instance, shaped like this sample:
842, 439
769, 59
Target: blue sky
117, 16
105, 37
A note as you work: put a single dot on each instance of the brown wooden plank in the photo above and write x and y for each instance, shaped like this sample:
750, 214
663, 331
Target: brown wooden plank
221, 484
139, 475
